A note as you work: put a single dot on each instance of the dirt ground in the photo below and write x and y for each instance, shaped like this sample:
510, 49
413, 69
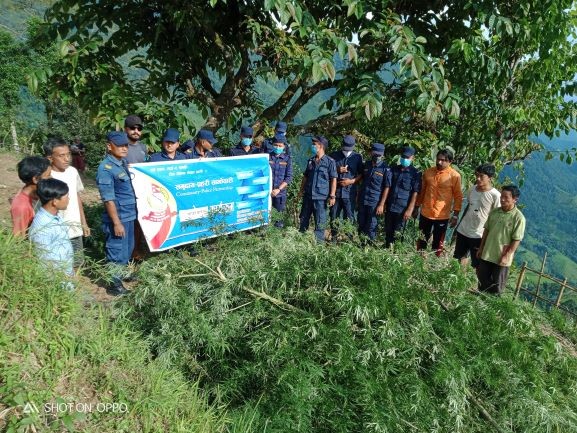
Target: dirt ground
10, 184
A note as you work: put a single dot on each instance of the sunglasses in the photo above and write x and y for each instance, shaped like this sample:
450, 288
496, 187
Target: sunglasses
132, 128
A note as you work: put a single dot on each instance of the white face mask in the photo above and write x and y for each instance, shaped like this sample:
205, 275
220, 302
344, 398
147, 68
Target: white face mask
347, 153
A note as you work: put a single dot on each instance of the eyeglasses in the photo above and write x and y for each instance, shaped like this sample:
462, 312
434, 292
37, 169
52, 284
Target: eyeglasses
132, 128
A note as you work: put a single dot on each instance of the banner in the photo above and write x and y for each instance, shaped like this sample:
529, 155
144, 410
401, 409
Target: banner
180, 202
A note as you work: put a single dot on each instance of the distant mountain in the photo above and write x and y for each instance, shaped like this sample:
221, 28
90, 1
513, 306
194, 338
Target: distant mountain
549, 202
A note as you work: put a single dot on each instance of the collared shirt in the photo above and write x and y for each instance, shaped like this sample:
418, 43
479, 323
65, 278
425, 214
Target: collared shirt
192, 153
404, 182
282, 171
49, 233
163, 156
375, 179
318, 177
113, 180
354, 162
136, 153
239, 150
503, 228
440, 193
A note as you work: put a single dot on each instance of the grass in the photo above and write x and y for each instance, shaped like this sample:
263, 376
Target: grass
55, 348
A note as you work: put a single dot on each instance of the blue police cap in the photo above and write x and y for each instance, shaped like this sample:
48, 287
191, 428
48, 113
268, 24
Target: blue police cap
246, 131
378, 148
279, 138
348, 142
321, 139
280, 126
117, 138
172, 135
407, 152
205, 134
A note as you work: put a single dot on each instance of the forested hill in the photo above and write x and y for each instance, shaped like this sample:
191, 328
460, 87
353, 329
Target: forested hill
549, 200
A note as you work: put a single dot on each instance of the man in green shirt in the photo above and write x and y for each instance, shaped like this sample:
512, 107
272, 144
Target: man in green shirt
503, 232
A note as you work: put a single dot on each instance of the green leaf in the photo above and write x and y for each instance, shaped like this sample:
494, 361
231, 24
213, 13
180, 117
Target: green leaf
351, 9
317, 73
421, 40
352, 52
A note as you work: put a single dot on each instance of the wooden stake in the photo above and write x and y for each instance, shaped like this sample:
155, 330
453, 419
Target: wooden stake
520, 280
539, 280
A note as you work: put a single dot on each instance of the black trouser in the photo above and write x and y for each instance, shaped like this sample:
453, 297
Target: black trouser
492, 277
438, 227
394, 223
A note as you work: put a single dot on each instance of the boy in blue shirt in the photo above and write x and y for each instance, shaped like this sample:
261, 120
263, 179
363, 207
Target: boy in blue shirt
117, 193
48, 232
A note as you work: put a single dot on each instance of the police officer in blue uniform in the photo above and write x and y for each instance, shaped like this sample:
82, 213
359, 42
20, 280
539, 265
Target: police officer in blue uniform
245, 146
374, 189
349, 172
279, 129
405, 186
318, 187
282, 174
170, 145
202, 147
117, 193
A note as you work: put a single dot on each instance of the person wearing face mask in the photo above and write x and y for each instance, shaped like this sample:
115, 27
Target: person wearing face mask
245, 147
268, 144
374, 190
441, 199
203, 147
402, 196
282, 174
318, 187
349, 171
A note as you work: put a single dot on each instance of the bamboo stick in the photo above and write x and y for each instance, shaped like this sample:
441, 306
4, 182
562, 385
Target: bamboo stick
558, 301
539, 279
520, 280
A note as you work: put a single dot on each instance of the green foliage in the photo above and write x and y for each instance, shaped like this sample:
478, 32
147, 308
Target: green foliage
294, 336
59, 347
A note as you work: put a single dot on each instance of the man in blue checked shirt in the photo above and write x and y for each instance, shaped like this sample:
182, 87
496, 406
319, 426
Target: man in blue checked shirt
282, 174
48, 232
349, 172
117, 193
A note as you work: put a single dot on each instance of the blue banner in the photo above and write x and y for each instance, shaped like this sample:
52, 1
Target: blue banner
180, 202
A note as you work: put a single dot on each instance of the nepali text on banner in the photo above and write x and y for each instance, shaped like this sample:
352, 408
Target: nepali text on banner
180, 202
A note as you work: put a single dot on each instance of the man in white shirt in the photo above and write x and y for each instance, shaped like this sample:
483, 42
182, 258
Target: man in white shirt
482, 198
58, 153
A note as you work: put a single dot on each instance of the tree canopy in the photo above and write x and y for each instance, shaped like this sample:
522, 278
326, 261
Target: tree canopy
479, 76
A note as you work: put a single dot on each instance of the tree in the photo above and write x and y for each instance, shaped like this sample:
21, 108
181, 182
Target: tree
480, 76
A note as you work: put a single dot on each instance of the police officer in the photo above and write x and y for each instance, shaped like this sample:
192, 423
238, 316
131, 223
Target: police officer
282, 174
117, 193
279, 129
170, 145
245, 146
318, 186
350, 172
136, 150
202, 147
374, 189
405, 186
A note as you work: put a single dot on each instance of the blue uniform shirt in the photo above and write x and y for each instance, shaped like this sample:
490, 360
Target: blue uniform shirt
113, 180
193, 154
238, 150
282, 171
375, 179
319, 177
355, 166
163, 156
405, 181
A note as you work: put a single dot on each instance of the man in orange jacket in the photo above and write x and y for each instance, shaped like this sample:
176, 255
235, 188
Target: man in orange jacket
440, 201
